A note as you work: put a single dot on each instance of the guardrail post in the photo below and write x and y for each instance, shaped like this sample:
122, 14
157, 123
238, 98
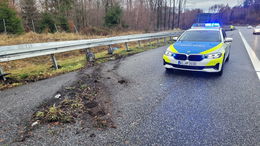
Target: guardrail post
158, 42
165, 41
90, 56
54, 61
171, 38
139, 44
110, 50
2, 74
150, 43
126, 46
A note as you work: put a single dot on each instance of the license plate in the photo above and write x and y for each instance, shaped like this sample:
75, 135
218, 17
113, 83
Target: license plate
188, 63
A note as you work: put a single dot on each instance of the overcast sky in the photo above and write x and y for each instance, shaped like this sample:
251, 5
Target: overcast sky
205, 4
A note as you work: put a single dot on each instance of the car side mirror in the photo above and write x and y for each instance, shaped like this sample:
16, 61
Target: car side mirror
228, 40
175, 38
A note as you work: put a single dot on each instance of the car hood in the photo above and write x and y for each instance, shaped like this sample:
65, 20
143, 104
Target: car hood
187, 47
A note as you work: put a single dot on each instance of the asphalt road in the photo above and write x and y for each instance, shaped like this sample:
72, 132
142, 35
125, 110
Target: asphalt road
189, 108
159, 108
253, 40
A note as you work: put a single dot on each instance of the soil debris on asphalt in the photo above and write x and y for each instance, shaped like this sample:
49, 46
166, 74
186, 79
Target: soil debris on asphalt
122, 81
92, 135
85, 100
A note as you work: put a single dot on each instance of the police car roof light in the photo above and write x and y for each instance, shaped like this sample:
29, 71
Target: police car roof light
206, 25
212, 25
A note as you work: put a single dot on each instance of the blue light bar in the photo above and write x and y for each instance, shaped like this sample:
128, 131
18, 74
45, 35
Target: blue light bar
206, 25
212, 25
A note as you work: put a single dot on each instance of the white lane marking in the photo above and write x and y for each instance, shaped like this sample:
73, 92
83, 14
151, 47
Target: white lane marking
252, 55
258, 74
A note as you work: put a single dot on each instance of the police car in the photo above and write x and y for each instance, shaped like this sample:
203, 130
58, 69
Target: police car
204, 47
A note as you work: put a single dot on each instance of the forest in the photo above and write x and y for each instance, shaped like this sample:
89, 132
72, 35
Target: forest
246, 14
97, 16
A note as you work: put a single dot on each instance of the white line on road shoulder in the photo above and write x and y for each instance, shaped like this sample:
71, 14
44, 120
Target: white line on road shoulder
252, 55
258, 74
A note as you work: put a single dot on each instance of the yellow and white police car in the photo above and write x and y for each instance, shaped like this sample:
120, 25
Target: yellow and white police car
202, 48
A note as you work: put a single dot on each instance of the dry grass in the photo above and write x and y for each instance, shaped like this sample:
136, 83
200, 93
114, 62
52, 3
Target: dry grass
32, 37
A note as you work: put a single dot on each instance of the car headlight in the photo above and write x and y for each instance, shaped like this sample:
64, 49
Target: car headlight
168, 53
213, 55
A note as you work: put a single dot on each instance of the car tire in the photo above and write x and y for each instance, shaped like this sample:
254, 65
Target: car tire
168, 70
221, 71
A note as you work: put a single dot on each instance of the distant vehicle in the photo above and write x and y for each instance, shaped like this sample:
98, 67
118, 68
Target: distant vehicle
228, 27
249, 27
232, 27
200, 48
256, 30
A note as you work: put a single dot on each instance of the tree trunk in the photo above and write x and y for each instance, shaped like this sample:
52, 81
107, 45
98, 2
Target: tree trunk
173, 14
179, 13
169, 18
165, 14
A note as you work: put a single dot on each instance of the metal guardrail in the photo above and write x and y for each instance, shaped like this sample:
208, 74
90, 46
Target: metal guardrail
15, 52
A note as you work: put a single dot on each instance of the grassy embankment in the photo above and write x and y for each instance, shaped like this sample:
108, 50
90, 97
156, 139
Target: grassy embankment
34, 69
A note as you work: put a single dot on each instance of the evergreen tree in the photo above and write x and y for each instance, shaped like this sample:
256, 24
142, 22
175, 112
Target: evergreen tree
47, 23
113, 16
8, 16
63, 24
58, 11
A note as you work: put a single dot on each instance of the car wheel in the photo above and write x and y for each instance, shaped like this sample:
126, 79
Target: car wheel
167, 70
221, 71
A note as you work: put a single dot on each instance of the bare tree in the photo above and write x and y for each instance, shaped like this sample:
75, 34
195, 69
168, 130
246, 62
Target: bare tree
137, 14
173, 14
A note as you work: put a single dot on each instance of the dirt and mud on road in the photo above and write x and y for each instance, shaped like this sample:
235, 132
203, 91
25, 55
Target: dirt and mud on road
80, 108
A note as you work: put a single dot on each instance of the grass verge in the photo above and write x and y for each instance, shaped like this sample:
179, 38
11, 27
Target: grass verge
35, 69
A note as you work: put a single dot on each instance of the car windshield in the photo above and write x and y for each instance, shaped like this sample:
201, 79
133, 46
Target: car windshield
201, 36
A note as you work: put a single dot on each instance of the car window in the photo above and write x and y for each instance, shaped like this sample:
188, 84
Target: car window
258, 27
201, 36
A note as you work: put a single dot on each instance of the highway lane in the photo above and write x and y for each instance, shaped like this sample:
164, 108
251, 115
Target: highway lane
253, 40
158, 108
189, 108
